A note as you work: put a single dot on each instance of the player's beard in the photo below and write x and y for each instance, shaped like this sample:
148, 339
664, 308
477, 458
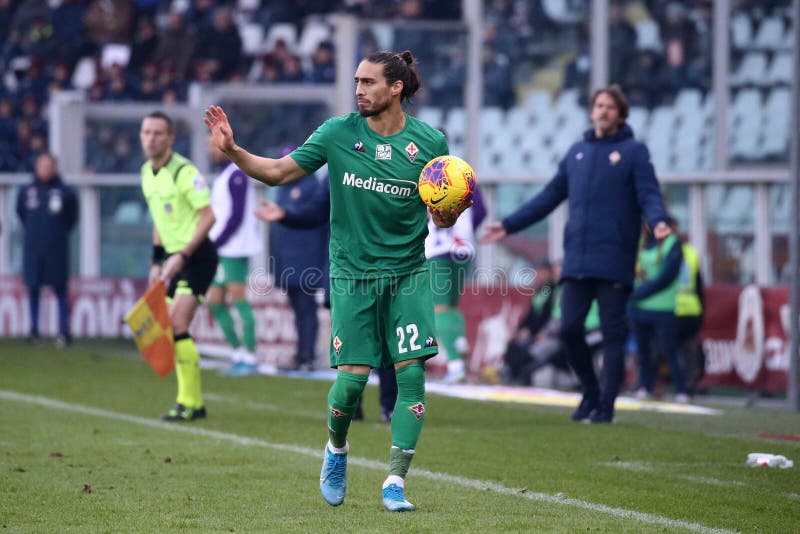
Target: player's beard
378, 108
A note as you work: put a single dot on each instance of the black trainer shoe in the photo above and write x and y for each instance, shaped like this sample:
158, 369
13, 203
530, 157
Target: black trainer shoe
602, 414
585, 408
180, 413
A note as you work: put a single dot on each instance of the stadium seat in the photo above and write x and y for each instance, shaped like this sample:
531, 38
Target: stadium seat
778, 104
519, 120
744, 143
688, 102
564, 11
248, 5
770, 34
84, 75
567, 103
744, 107
431, 115
637, 120
741, 31
647, 36
780, 69
252, 38
538, 102
490, 161
285, 31
513, 163
455, 123
314, 32
752, 70
180, 6
492, 127
115, 54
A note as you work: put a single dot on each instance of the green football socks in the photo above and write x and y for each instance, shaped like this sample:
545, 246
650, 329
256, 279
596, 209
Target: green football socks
399, 461
409, 409
187, 370
342, 402
248, 323
225, 322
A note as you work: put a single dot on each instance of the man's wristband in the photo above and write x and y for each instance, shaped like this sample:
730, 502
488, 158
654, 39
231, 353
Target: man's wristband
159, 254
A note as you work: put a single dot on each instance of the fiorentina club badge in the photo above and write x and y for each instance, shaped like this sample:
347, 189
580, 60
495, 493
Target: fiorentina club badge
412, 151
337, 345
417, 409
614, 157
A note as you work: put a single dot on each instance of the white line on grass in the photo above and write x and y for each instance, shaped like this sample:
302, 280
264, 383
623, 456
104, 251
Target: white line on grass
483, 485
257, 406
649, 468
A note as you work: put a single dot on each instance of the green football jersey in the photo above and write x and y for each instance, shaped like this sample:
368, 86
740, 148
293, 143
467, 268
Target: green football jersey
173, 195
378, 221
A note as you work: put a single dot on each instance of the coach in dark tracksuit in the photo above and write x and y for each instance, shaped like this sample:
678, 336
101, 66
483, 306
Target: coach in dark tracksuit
300, 258
610, 185
48, 210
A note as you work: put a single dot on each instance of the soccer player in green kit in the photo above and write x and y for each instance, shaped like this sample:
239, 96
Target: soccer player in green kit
183, 255
381, 299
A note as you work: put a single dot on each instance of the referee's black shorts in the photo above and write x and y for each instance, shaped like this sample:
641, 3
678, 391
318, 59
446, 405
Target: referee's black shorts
196, 276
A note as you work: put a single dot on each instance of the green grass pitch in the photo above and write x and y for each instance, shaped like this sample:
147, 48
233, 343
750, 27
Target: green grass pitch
83, 451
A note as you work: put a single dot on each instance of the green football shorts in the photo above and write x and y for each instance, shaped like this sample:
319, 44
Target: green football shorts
382, 321
448, 277
231, 271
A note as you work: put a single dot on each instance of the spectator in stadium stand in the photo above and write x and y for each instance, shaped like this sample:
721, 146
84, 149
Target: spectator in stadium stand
221, 45
622, 40
176, 45
145, 43
109, 21
652, 311
48, 211
323, 67
610, 184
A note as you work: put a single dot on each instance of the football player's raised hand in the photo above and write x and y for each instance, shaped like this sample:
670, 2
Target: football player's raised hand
221, 131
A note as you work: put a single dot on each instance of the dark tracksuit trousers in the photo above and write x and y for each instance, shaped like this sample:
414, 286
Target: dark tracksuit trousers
304, 305
661, 327
612, 299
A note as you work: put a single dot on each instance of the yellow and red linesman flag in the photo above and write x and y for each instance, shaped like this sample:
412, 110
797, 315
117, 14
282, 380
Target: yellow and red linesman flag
152, 329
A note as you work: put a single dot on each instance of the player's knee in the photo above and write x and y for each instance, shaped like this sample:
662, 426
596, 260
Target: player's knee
347, 389
411, 381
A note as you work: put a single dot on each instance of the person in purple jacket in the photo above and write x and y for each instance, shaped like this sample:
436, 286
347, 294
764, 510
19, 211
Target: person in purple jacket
610, 185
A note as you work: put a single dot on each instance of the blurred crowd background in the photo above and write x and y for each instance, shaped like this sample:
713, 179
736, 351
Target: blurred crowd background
536, 69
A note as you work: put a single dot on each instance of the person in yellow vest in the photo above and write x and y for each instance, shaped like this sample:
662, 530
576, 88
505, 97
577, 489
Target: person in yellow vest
184, 257
689, 311
653, 311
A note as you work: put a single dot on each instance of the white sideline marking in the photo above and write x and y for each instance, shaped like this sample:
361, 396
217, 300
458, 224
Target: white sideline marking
363, 462
269, 407
649, 468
